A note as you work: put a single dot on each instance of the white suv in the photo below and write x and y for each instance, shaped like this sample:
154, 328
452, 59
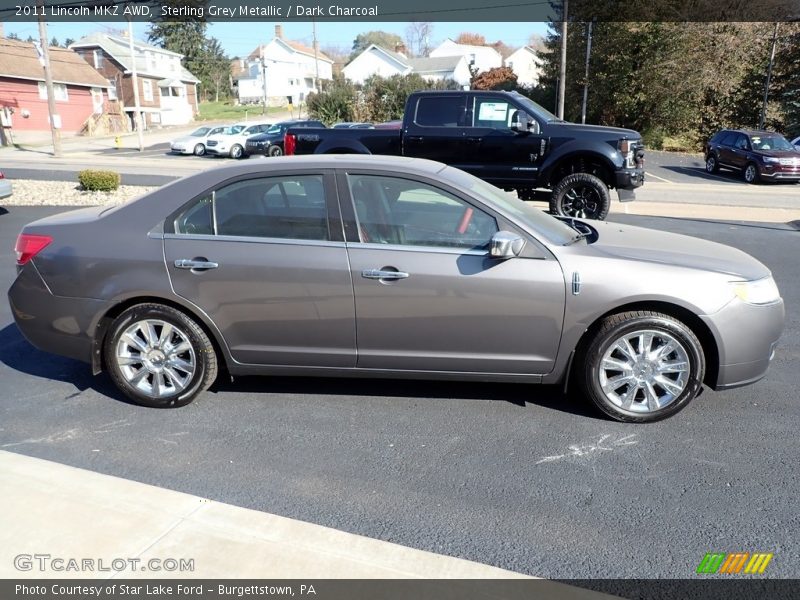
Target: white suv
231, 142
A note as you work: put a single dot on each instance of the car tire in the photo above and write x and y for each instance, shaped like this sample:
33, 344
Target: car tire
642, 366
581, 195
199, 150
275, 151
712, 165
236, 151
155, 366
751, 173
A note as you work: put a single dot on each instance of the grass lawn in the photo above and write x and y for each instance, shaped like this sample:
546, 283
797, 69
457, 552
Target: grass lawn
221, 111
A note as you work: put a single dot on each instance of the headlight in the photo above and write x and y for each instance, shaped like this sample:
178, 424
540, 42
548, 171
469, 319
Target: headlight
761, 291
770, 159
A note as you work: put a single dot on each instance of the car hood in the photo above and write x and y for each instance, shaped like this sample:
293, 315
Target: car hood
187, 139
650, 245
606, 132
263, 137
779, 153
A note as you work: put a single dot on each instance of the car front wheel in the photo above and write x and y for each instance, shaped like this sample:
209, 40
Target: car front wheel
237, 151
199, 150
751, 173
274, 151
158, 356
642, 366
581, 195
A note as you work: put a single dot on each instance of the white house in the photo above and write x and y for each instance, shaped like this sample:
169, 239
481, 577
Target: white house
526, 65
290, 71
375, 60
482, 58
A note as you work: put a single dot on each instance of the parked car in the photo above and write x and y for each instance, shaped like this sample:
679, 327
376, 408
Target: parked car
270, 142
757, 155
505, 139
796, 143
231, 141
405, 268
348, 125
6, 188
195, 142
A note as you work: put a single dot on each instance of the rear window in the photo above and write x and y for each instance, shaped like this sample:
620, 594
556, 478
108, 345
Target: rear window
441, 111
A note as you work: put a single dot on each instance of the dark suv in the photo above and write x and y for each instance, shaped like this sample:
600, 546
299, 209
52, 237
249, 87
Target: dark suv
758, 155
270, 143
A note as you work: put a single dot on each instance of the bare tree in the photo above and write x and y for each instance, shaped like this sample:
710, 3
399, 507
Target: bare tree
418, 37
536, 42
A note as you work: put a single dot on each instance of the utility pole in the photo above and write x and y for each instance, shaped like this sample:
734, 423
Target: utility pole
586, 74
316, 60
562, 78
137, 114
44, 58
763, 119
264, 79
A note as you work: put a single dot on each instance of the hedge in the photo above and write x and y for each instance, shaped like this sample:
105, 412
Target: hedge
99, 181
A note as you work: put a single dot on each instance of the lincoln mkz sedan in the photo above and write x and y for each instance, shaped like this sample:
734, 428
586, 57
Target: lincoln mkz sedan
388, 267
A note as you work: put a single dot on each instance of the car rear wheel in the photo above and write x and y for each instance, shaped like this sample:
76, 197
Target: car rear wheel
199, 150
274, 151
751, 173
159, 357
642, 366
712, 166
581, 195
237, 151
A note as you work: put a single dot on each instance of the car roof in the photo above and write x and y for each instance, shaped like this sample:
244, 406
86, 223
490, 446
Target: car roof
418, 166
751, 131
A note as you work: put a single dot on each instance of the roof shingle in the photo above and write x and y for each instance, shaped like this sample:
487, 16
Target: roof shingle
20, 59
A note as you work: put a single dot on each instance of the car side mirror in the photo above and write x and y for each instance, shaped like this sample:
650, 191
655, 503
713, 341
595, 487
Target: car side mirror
521, 122
505, 244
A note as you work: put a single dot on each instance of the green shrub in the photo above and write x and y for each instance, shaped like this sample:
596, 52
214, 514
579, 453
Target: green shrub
99, 181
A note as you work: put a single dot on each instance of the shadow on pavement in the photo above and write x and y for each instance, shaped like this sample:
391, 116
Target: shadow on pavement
790, 227
18, 354
699, 172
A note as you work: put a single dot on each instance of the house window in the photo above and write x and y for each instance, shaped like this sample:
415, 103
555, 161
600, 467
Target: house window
98, 59
59, 91
112, 90
471, 59
147, 87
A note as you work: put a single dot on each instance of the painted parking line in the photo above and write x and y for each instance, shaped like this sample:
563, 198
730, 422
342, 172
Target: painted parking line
649, 174
704, 172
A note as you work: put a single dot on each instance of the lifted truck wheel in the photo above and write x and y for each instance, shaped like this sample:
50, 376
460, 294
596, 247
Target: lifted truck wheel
581, 195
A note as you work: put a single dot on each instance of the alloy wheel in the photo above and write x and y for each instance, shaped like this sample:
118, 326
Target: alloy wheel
644, 371
156, 358
581, 201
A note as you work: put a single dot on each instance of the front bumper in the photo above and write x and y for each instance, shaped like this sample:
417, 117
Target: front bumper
56, 324
778, 174
629, 179
747, 336
217, 151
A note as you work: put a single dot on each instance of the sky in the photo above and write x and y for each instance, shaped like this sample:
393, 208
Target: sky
239, 39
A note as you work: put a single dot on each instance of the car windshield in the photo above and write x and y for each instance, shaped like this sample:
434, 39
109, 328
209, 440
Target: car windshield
551, 228
200, 132
275, 129
536, 109
232, 130
770, 142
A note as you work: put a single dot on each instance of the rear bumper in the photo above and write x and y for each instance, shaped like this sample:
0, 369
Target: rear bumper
55, 324
747, 338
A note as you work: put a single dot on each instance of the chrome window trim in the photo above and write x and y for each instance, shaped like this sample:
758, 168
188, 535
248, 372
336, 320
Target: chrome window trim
252, 239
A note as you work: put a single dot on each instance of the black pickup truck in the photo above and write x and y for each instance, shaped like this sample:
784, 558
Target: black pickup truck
506, 139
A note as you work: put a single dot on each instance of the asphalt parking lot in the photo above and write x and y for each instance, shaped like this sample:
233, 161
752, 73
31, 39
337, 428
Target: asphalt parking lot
510, 475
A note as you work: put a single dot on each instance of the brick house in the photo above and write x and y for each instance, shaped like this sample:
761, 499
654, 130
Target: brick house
81, 93
167, 90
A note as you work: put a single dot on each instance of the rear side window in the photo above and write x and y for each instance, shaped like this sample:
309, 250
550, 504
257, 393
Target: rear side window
728, 138
441, 111
268, 207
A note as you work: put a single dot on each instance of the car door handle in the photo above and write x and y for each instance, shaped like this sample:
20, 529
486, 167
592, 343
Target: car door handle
195, 264
415, 138
474, 140
381, 274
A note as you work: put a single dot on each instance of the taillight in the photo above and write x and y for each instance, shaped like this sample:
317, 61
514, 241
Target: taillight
29, 245
2, 176
289, 144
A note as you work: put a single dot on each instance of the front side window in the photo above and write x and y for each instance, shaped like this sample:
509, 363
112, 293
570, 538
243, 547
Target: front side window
742, 142
391, 210
493, 113
267, 207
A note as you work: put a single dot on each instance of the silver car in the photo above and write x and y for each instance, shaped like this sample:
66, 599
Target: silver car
6, 189
388, 267
195, 142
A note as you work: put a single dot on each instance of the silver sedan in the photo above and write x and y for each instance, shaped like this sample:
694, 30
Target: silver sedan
394, 267
195, 142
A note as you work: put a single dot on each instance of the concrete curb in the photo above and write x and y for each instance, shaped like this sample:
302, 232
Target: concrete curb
49, 508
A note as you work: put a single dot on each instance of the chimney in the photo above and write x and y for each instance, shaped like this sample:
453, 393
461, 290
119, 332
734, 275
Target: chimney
400, 48
279, 31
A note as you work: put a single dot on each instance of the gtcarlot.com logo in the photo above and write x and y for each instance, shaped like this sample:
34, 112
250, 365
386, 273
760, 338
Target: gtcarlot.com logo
47, 562
734, 563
